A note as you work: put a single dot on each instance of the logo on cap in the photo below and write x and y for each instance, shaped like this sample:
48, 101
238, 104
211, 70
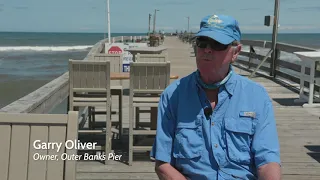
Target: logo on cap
214, 21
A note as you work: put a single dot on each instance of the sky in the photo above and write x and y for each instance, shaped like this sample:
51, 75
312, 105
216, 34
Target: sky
131, 16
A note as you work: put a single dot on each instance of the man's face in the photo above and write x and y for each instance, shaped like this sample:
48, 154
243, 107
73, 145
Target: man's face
213, 58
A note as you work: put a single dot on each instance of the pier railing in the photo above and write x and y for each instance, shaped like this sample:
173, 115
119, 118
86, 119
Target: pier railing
47, 97
279, 68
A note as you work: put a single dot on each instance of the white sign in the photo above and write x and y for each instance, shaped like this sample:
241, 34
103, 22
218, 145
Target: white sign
121, 48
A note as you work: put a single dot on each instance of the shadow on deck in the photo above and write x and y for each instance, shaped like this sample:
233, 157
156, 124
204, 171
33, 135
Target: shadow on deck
315, 152
298, 128
120, 146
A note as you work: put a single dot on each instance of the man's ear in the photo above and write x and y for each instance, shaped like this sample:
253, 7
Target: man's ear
236, 52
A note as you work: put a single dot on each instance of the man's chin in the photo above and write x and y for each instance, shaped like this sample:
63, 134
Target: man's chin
208, 75
207, 72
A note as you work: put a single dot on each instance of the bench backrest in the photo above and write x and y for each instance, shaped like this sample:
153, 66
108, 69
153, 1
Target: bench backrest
116, 60
151, 57
149, 77
88, 77
116, 63
20, 136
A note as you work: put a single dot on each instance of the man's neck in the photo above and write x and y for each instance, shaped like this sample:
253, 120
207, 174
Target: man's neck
216, 77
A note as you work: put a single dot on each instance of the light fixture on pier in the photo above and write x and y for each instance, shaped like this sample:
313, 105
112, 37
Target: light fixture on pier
188, 23
154, 20
149, 24
109, 33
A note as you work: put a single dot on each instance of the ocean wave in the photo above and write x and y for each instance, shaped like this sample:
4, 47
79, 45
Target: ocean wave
44, 48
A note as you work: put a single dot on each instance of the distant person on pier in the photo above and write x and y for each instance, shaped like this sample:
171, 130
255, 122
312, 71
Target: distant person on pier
214, 123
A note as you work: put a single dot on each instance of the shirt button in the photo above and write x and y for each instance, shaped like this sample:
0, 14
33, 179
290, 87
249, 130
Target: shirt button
212, 124
215, 145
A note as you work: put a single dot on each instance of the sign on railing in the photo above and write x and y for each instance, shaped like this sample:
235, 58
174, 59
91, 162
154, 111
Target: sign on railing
115, 50
120, 48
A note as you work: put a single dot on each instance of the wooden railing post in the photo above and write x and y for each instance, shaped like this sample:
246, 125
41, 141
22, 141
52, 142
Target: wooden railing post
274, 38
68, 105
276, 66
273, 65
250, 56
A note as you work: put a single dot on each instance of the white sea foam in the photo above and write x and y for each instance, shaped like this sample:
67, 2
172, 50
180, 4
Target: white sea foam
44, 48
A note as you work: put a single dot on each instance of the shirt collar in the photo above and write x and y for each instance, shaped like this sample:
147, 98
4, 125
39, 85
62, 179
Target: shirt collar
230, 85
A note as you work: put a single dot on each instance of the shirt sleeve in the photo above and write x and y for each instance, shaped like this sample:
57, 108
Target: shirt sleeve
265, 145
163, 143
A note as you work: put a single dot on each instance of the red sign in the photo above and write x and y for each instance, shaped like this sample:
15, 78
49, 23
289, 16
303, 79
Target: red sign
115, 50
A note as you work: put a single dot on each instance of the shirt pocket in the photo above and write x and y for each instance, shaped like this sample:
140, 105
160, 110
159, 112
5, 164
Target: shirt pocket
239, 133
188, 141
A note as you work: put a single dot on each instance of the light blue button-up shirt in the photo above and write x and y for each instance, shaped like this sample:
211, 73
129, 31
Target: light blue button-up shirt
232, 143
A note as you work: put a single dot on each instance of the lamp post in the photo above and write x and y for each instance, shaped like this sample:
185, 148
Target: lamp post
154, 20
188, 23
109, 34
149, 24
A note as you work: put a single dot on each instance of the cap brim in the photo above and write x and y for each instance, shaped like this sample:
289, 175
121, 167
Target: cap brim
218, 36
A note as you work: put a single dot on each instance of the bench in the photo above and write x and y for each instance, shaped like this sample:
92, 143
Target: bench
20, 137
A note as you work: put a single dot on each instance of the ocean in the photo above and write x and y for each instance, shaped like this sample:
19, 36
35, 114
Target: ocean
30, 60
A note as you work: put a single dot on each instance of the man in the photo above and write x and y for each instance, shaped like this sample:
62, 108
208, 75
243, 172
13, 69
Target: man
214, 123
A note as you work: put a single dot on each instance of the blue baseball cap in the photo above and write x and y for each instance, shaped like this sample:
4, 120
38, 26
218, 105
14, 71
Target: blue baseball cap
222, 28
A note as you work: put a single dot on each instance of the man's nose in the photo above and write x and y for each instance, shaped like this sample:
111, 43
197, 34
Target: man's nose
208, 49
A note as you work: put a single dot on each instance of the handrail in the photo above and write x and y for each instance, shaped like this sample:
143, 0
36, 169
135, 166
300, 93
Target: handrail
264, 59
282, 70
280, 47
44, 99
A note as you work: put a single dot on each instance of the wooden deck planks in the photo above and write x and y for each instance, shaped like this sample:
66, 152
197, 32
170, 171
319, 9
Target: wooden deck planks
298, 128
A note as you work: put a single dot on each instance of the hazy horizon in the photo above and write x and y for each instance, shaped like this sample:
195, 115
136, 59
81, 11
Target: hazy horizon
145, 32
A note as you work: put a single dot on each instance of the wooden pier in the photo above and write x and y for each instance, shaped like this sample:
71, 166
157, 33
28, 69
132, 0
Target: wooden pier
298, 127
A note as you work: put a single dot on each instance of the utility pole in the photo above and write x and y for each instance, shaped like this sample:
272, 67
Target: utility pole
274, 55
149, 24
154, 20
